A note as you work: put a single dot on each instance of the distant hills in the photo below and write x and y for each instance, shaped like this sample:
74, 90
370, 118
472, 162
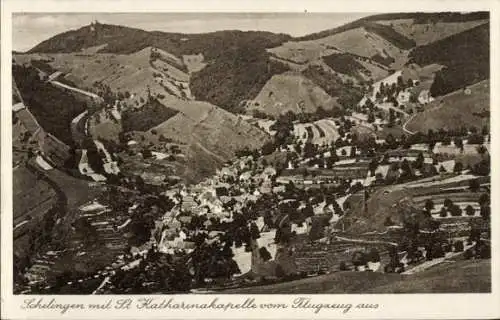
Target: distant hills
241, 72
465, 56
240, 63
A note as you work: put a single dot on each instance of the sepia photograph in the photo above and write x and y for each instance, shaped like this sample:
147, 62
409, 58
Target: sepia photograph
250, 153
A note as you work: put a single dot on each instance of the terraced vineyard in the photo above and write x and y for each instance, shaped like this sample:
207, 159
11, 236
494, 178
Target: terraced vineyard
103, 227
314, 258
318, 132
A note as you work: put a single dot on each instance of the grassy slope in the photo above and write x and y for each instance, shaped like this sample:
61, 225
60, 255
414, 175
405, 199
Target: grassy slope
361, 42
455, 111
463, 276
122, 73
393, 32
211, 125
285, 92
29, 193
340, 282
379, 206
459, 277
208, 135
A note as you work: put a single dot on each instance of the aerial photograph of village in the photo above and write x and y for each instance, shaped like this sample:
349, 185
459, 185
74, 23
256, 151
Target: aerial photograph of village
251, 153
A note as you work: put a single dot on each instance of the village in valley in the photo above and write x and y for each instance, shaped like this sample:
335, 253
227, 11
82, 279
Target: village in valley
347, 171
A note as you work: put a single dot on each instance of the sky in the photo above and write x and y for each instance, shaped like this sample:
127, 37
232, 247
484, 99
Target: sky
29, 29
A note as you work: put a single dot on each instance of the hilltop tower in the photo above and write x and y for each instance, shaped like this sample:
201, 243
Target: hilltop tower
93, 25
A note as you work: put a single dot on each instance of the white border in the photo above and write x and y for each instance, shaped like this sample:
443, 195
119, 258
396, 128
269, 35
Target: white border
397, 306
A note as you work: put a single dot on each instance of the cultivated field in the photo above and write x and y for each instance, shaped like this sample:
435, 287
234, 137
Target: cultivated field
318, 132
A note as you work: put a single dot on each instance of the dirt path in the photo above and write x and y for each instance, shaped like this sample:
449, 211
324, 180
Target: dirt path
65, 86
406, 123
77, 134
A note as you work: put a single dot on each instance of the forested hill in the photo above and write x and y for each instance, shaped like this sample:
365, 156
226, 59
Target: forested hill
125, 40
418, 18
466, 56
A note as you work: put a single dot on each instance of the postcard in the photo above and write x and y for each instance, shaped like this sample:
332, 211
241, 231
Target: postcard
249, 160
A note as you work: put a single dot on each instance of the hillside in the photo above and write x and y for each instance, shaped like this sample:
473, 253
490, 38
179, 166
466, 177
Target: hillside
371, 42
347, 93
125, 40
291, 92
244, 51
131, 73
458, 277
455, 110
147, 116
52, 107
417, 17
192, 66
346, 64
380, 205
198, 129
236, 76
465, 55
205, 124
425, 33
377, 42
